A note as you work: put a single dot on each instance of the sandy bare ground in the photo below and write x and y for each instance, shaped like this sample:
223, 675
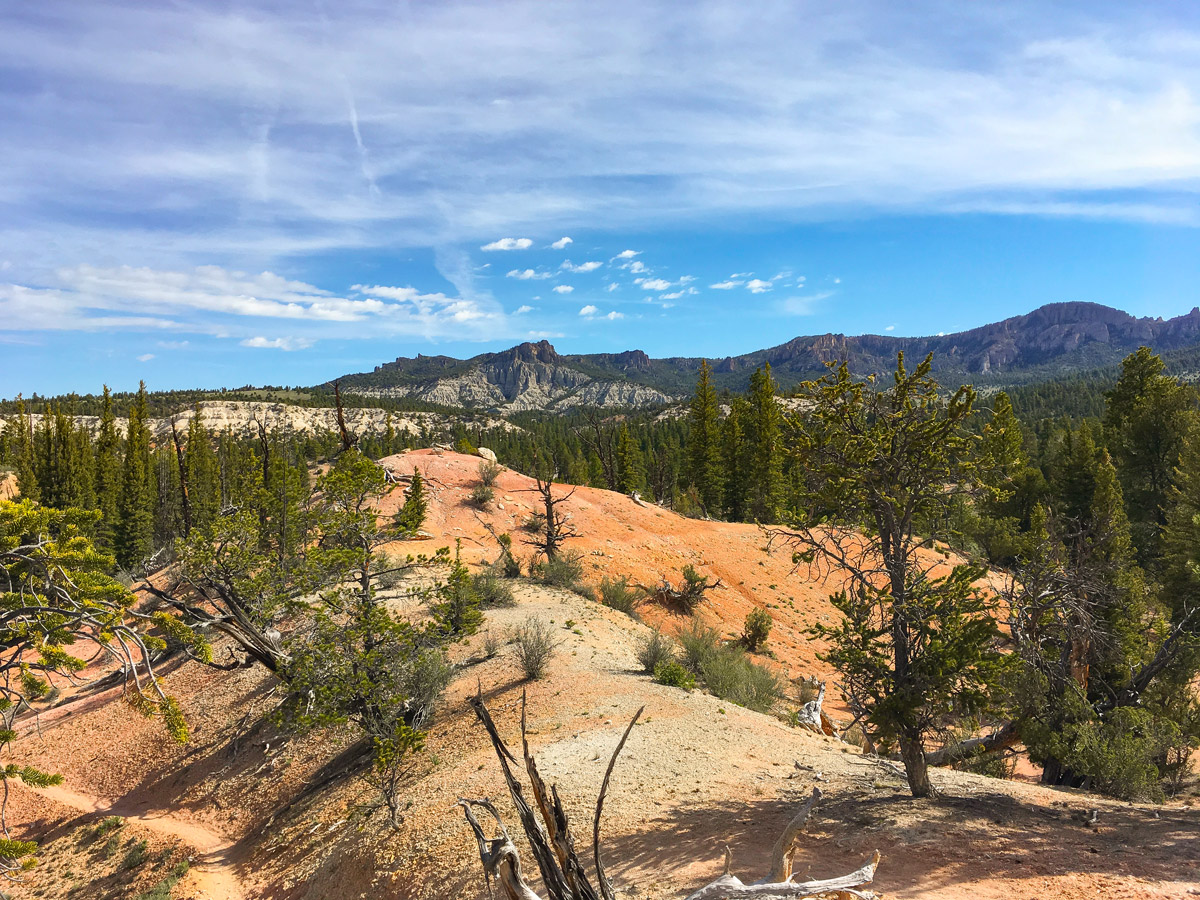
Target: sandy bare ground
287, 817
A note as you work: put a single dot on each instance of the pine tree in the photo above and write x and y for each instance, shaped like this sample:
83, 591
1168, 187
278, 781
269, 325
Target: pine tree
108, 473
630, 474
704, 444
200, 464
411, 515
26, 457
735, 464
1145, 422
134, 535
764, 436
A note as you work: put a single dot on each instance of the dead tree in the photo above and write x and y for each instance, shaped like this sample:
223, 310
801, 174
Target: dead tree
688, 596
181, 460
563, 872
601, 437
558, 528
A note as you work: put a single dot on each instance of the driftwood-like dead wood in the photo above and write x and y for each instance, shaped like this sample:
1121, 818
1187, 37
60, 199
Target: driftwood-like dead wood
564, 875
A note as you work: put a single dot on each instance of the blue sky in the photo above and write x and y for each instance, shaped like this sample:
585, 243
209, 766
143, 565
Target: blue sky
208, 194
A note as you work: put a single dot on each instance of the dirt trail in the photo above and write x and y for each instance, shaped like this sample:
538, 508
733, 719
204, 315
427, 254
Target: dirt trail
211, 876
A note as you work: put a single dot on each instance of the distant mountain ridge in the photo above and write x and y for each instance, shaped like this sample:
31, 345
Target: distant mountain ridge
1052, 340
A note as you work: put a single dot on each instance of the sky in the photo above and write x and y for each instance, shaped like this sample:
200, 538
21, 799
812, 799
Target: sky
207, 194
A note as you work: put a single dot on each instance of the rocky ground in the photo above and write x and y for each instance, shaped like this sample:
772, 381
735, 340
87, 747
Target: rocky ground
262, 814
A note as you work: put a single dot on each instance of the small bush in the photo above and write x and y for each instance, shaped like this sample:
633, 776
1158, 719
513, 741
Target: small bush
162, 890
135, 855
492, 590
536, 644
508, 564
481, 495
654, 650
672, 674
491, 644
699, 642
462, 445
692, 591
564, 571
111, 846
535, 523
756, 628
731, 675
423, 680
618, 594
489, 472
107, 825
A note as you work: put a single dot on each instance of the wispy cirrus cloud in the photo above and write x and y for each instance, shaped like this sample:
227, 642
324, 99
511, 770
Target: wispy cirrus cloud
280, 343
527, 274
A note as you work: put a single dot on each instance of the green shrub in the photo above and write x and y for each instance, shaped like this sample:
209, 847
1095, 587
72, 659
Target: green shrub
162, 890
535, 644
672, 674
731, 675
481, 495
111, 846
508, 564
618, 594
699, 642
535, 523
462, 445
654, 650
756, 628
491, 644
489, 472
563, 571
492, 590
106, 825
135, 855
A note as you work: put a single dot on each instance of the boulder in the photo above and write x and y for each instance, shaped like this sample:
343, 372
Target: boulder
487, 454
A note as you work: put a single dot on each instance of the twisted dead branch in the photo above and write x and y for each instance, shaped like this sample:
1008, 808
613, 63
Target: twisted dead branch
563, 873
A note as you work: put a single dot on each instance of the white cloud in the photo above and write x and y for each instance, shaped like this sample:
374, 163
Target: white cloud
282, 343
509, 244
674, 295
726, 285
563, 289
145, 357
545, 334
890, 328
654, 284
758, 286
526, 274
521, 310
614, 315
802, 306
561, 243
588, 310
687, 279
637, 267
613, 287
627, 254
220, 302
741, 275
582, 267
837, 281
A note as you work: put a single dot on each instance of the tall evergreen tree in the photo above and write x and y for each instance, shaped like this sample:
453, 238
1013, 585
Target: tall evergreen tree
134, 535
108, 473
734, 461
704, 442
200, 465
764, 436
1145, 422
26, 457
630, 468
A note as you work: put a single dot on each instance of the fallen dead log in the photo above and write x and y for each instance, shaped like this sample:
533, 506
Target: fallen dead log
563, 873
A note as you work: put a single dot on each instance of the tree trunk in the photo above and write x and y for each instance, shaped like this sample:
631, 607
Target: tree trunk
915, 766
